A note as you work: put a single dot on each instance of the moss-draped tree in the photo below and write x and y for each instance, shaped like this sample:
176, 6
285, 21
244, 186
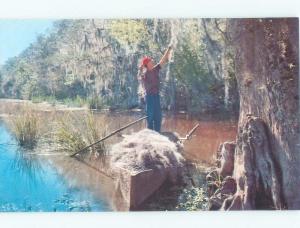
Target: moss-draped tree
267, 155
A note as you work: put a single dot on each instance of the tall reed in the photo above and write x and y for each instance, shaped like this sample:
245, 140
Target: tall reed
75, 131
26, 127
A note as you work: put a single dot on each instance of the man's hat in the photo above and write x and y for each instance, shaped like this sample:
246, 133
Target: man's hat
145, 60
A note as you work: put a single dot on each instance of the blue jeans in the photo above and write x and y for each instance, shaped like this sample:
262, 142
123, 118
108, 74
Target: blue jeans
153, 112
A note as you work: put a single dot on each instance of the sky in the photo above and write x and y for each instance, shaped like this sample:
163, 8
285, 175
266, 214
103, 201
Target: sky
17, 34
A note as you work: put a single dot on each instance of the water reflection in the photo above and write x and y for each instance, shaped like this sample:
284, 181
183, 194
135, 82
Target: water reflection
32, 183
86, 173
27, 166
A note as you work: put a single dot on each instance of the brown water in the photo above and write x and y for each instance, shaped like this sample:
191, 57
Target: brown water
202, 147
206, 139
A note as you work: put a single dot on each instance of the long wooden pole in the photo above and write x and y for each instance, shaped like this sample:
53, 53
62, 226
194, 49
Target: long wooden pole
109, 135
190, 133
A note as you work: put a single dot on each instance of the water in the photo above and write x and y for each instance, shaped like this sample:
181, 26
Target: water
58, 183
202, 147
31, 183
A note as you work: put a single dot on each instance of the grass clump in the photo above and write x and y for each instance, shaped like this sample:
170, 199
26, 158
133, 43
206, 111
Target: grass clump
68, 139
26, 127
95, 102
76, 131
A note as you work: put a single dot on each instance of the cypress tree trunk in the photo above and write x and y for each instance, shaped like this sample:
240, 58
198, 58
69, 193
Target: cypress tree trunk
267, 154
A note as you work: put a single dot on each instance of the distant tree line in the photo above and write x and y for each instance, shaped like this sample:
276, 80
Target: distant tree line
95, 61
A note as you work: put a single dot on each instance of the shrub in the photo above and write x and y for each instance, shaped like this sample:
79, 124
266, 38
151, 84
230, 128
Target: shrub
191, 199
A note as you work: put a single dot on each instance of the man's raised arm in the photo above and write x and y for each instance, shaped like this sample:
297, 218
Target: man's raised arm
166, 56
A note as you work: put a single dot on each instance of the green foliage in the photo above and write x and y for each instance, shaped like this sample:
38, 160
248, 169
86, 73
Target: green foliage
137, 35
193, 199
129, 32
192, 71
190, 67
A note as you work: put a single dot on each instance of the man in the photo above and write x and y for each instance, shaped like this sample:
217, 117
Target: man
150, 83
